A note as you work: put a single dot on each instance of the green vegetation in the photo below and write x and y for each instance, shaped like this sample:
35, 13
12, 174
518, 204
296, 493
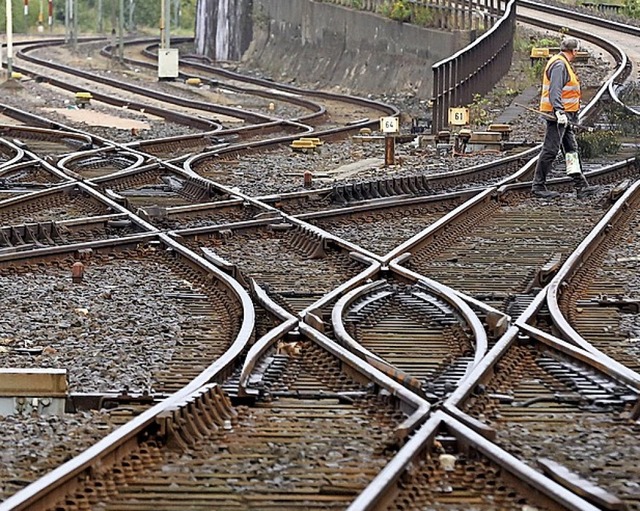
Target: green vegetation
399, 10
627, 123
408, 12
546, 42
139, 15
534, 72
422, 16
632, 8
598, 143
478, 111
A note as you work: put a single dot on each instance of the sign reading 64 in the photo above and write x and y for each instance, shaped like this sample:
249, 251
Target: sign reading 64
389, 124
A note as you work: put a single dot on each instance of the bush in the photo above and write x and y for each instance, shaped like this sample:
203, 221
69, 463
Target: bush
598, 143
398, 10
422, 16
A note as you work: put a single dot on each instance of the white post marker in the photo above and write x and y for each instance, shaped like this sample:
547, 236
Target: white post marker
389, 126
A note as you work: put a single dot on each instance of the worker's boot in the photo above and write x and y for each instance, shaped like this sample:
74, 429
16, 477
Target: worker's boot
583, 189
542, 192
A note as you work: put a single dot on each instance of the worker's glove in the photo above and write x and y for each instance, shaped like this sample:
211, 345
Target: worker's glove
562, 118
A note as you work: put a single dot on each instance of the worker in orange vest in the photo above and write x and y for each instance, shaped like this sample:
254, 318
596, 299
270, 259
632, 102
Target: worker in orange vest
560, 99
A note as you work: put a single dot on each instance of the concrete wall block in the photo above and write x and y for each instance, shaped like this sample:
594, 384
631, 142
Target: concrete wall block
334, 46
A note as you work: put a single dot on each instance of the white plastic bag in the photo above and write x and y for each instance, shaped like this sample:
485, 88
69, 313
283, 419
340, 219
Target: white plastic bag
573, 164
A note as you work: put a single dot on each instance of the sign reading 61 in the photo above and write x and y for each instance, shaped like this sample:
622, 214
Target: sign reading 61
458, 116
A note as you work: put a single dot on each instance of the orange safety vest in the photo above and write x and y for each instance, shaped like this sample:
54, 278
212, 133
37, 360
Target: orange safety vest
570, 92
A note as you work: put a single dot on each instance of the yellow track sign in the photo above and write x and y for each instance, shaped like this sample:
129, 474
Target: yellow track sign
459, 116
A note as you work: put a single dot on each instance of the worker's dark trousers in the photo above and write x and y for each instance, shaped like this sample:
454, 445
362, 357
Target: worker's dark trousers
555, 136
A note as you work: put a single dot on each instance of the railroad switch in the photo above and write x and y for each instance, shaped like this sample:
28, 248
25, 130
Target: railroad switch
83, 99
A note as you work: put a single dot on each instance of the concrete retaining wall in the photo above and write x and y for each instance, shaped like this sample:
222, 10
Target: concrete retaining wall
313, 42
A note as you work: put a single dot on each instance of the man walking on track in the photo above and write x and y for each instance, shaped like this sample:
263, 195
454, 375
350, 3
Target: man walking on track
560, 100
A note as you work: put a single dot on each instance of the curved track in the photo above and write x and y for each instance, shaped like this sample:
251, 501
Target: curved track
422, 340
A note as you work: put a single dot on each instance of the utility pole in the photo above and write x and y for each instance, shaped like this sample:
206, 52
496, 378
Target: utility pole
176, 13
26, 16
9, 39
71, 24
100, 22
66, 21
41, 17
121, 32
165, 22
75, 24
167, 56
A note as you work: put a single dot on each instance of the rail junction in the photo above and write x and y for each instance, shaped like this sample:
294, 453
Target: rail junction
225, 334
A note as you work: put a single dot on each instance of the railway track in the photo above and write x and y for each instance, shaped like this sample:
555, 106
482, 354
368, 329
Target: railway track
599, 302
293, 359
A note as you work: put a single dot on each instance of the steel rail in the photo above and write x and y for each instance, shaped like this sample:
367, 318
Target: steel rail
138, 159
244, 131
19, 153
445, 293
48, 489
376, 204
142, 91
582, 508
317, 111
386, 109
337, 313
497, 321
415, 407
178, 118
376, 493
573, 263
592, 358
262, 345
91, 192
452, 298
107, 51
311, 315
124, 173
438, 226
